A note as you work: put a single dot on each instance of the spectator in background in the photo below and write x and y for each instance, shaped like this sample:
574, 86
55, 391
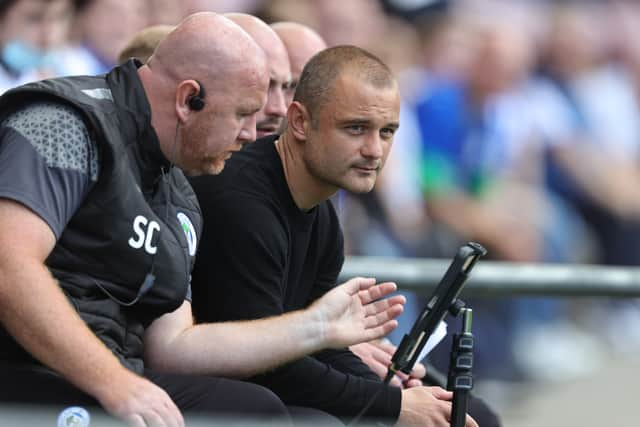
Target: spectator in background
142, 45
30, 32
483, 178
592, 142
166, 12
466, 148
272, 115
221, 6
102, 28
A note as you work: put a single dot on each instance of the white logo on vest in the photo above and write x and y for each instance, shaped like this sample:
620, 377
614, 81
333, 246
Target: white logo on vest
189, 232
74, 416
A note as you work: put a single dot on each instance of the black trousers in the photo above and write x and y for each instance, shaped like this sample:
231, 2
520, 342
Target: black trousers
193, 394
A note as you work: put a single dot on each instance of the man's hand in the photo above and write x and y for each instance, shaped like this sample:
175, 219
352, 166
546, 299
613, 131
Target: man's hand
353, 312
140, 403
348, 314
377, 355
428, 407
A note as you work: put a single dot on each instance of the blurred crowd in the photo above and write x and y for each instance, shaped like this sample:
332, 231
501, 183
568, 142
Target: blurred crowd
520, 129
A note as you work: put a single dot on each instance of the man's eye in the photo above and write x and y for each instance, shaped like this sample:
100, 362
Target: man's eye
387, 132
290, 86
356, 129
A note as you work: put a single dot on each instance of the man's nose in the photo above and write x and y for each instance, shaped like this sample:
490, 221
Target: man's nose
276, 103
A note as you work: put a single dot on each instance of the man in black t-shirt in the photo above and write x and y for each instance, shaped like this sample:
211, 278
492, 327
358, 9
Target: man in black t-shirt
277, 244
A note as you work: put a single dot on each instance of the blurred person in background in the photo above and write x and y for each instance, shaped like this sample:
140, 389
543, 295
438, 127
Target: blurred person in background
102, 28
222, 6
588, 86
165, 12
31, 31
465, 149
142, 45
481, 176
593, 141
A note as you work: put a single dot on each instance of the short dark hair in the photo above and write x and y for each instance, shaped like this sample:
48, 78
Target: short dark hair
317, 78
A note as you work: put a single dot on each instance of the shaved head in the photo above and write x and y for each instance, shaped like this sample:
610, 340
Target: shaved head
270, 118
301, 42
199, 48
210, 58
318, 76
263, 35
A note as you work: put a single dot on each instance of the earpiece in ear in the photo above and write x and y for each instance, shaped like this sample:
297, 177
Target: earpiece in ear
196, 102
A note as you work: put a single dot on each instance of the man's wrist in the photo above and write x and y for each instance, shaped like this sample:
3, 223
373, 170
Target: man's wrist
108, 381
315, 327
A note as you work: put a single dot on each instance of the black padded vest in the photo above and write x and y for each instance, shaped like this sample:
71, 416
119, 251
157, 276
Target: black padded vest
140, 218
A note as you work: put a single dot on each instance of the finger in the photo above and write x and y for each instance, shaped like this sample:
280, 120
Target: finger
174, 414
382, 317
379, 306
135, 420
353, 286
386, 346
440, 393
445, 408
153, 419
403, 377
378, 368
385, 359
380, 331
380, 356
418, 371
470, 422
396, 382
372, 293
361, 350
412, 382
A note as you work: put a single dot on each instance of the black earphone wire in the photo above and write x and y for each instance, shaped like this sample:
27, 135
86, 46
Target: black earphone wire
150, 277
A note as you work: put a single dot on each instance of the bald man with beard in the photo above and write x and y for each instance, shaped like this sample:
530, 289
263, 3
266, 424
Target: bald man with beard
271, 116
95, 295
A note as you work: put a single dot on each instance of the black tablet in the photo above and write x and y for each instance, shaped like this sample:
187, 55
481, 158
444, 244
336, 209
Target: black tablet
442, 298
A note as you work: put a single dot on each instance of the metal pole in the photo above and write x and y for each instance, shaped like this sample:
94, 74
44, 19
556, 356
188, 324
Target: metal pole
491, 278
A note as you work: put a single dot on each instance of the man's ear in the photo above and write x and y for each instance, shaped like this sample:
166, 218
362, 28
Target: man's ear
298, 120
186, 90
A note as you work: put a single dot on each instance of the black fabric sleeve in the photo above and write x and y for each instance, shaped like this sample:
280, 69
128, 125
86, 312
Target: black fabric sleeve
48, 163
345, 361
238, 275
